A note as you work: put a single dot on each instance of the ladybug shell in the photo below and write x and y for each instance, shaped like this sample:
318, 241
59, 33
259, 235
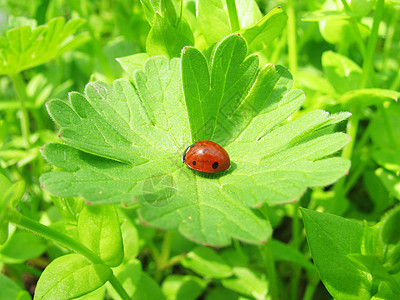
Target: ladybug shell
206, 156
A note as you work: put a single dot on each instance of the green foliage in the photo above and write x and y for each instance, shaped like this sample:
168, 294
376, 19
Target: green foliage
331, 240
146, 145
11, 194
342, 248
25, 48
99, 230
70, 276
231, 71
9, 290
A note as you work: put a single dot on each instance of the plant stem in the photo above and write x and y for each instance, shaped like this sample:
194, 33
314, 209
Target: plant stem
396, 82
233, 15
20, 88
294, 283
310, 290
352, 128
292, 37
165, 249
339, 188
266, 253
118, 287
356, 31
173, 261
390, 34
35, 227
388, 126
368, 60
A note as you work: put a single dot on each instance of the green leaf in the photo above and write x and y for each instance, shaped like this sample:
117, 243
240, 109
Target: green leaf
130, 237
133, 62
129, 274
9, 197
124, 143
390, 180
25, 48
342, 72
372, 265
99, 230
386, 128
212, 17
321, 15
248, 282
385, 293
261, 35
284, 252
70, 276
340, 31
366, 97
218, 293
166, 39
248, 12
178, 287
147, 289
22, 246
9, 290
331, 239
390, 228
387, 158
207, 263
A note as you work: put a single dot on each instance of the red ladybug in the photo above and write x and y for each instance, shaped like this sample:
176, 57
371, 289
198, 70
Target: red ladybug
206, 156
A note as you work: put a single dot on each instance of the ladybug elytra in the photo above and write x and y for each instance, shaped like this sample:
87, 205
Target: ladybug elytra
206, 156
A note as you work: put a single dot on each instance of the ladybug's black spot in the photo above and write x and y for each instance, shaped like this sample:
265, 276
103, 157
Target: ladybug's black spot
194, 162
215, 165
204, 151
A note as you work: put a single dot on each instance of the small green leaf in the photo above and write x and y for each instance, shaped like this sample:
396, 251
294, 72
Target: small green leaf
129, 274
361, 8
323, 15
248, 282
212, 17
385, 293
147, 289
390, 180
339, 31
366, 97
130, 237
26, 48
343, 73
99, 230
9, 290
386, 129
9, 197
22, 246
261, 35
331, 239
387, 158
178, 287
70, 276
390, 228
207, 262
284, 252
248, 12
168, 36
372, 265
219, 292
133, 62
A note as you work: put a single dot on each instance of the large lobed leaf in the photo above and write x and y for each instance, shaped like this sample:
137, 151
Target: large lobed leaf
25, 48
124, 143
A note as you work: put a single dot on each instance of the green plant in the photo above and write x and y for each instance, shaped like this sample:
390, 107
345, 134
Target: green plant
124, 218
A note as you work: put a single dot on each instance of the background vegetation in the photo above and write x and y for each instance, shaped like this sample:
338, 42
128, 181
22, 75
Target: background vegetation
345, 56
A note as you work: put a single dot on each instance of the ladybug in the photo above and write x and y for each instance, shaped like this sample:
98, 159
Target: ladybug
206, 156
